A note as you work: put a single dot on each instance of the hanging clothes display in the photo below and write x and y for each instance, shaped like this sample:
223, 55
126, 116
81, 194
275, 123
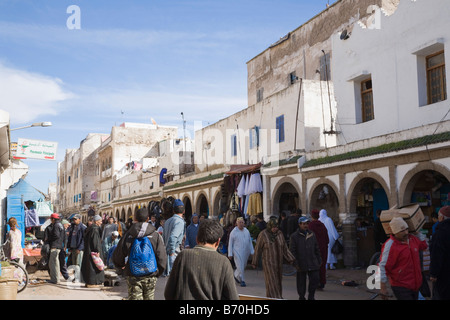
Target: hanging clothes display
255, 184
234, 204
31, 218
247, 189
241, 187
254, 204
44, 208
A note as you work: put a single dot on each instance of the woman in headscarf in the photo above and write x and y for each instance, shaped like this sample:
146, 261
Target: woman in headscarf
92, 276
333, 235
272, 247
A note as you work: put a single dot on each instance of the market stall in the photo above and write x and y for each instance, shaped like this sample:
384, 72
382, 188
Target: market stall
243, 184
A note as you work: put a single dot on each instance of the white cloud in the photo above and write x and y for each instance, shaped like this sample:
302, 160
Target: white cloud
26, 95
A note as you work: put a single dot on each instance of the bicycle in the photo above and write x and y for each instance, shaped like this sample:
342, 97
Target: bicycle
375, 259
20, 273
288, 270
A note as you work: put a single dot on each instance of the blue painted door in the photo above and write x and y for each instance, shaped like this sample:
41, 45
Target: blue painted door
15, 209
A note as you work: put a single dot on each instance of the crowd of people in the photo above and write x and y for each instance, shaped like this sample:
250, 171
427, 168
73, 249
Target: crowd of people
178, 252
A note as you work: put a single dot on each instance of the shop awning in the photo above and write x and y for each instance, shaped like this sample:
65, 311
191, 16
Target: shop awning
244, 168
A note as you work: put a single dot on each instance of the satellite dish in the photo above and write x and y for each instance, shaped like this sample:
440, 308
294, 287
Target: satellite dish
344, 35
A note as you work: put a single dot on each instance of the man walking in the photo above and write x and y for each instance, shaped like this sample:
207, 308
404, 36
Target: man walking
173, 233
321, 233
191, 232
240, 247
400, 262
292, 222
140, 287
55, 236
440, 256
305, 248
202, 273
75, 242
109, 228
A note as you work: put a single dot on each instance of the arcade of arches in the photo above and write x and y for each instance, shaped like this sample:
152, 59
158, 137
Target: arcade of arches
367, 194
364, 194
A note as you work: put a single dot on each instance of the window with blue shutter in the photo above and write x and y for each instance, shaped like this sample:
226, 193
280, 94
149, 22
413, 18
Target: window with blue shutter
280, 128
233, 145
254, 137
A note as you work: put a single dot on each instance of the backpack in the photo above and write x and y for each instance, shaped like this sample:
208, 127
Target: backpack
142, 258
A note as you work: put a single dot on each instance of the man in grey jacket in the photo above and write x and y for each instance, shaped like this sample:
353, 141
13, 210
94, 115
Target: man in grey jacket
202, 273
305, 248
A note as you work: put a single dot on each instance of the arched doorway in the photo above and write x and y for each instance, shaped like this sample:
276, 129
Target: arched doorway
286, 199
368, 197
202, 206
430, 189
324, 197
216, 206
187, 210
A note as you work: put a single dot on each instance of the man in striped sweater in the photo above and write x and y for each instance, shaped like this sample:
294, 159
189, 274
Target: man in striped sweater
202, 273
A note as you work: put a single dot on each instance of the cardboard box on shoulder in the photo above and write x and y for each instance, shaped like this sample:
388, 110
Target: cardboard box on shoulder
412, 214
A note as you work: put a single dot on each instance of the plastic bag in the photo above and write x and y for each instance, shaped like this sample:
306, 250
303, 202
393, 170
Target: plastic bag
97, 261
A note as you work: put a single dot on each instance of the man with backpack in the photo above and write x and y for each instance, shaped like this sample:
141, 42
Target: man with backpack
141, 255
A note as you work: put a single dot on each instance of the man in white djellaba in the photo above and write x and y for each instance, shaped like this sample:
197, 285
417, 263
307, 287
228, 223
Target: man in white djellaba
333, 235
240, 247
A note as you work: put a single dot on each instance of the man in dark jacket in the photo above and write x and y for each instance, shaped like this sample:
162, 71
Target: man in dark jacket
440, 256
142, 287
304, 246
75, 241
292, 222
55, 236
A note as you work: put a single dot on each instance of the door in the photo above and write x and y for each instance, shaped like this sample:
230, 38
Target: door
15, 209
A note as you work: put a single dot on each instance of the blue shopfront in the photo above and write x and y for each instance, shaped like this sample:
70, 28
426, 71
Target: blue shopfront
28, 205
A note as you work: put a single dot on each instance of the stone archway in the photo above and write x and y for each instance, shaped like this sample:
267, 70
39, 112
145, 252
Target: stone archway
286, 197
368, 193
216, 204
410, 180
368, 190
324, 195
187, 209
202, 205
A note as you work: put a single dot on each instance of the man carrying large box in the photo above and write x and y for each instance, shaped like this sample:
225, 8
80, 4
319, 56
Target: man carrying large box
400, 261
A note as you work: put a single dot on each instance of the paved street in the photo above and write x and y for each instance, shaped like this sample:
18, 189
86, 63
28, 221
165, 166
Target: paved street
334, 289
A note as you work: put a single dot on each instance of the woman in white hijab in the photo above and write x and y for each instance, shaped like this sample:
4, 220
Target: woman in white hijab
332, 235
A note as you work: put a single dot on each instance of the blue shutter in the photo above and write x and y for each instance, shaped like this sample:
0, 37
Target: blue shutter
15, 209
280, 128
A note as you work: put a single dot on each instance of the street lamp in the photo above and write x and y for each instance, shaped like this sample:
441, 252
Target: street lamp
37, 124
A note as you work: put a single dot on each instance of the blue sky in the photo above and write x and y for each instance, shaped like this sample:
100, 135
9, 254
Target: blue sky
145, 58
